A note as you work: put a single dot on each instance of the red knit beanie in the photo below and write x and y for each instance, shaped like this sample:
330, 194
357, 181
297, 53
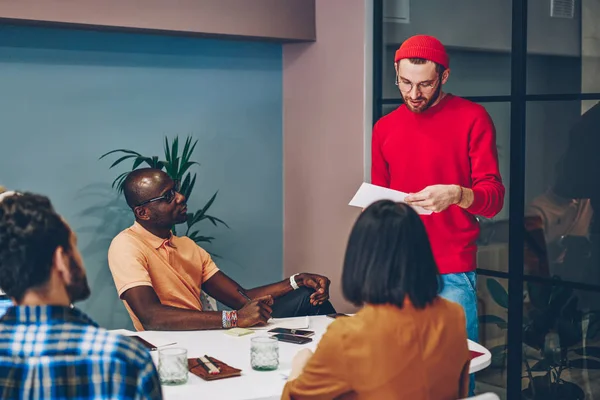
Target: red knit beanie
423, 46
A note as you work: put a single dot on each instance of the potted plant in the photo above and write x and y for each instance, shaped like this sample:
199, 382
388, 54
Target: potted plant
552, 334
177, 165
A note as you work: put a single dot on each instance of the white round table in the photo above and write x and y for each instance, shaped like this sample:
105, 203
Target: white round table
235, 351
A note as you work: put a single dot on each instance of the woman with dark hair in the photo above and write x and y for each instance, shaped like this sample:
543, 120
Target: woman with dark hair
406, 342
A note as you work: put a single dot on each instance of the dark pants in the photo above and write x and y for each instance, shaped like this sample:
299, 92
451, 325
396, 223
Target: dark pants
297, 304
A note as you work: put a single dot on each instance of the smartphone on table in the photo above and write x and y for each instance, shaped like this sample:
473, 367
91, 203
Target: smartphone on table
146, 344
295, 332
282, 337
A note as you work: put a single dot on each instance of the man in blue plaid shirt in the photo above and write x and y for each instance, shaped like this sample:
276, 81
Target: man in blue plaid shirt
49, 350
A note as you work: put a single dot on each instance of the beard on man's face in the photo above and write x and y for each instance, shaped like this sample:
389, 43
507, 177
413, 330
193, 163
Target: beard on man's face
425, 102
182, 218
78, 289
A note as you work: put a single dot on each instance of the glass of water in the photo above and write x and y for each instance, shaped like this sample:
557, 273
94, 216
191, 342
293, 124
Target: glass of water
264, 353
173, 366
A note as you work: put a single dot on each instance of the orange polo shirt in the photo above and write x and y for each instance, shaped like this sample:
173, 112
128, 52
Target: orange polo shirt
175, 267
385, 352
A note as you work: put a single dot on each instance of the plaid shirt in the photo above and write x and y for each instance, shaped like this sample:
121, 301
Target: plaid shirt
52, 352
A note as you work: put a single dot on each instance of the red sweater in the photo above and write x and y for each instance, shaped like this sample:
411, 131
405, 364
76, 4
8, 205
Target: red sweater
453, 142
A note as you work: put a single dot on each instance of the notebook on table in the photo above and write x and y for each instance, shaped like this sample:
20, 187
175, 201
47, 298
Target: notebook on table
197, 368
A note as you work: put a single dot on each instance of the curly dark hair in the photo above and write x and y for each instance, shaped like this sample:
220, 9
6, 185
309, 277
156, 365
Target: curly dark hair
30, 233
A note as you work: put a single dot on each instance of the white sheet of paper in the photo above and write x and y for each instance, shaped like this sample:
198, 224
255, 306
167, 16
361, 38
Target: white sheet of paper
288, 323
285, 373
368, 194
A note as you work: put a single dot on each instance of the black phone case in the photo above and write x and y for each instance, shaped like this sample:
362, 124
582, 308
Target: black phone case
294, 332
282, 337
147, 344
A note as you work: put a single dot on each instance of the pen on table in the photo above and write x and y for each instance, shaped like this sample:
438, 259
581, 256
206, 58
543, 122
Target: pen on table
244, 295
161, 346
212, 369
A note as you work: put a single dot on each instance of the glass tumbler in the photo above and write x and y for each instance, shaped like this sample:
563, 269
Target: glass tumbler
173, 366
264, 353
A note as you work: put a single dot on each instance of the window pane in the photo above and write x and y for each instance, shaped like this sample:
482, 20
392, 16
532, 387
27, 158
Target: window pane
563, 48
477, 36
492, 296
561, 189
561, 339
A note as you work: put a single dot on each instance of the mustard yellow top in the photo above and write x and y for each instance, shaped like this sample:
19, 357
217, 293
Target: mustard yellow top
386, 352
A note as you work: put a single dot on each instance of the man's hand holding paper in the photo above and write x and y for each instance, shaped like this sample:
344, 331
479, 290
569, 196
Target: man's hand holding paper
435, 198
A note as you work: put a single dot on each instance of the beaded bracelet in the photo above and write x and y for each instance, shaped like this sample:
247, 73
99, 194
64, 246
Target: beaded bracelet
229, 319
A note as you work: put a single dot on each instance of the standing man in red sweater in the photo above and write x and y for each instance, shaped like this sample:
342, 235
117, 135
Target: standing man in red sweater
441, 149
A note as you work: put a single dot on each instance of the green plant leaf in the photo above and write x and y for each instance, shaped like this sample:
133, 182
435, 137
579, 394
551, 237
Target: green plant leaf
593, 329
186, 165
185, 183
119, 179
493, 319
167, 150
214, 220
120, 160
177, 159
186, 148
210, 202
154, 163
174, 154
539, 294
192, 148
588, 351
199, 239
530, 357
119, 151
498, 356
498, 292
541, 366
138, 161
121, 183
197, 216
187, 186
584, 363
190, 217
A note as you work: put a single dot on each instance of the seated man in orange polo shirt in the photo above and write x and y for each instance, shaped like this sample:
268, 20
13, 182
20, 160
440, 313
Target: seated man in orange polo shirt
160, 276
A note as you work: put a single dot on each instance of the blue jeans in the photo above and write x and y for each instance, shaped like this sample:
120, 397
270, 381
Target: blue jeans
461, 288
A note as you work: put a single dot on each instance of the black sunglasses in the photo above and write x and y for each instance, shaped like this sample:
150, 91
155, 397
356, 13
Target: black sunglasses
168, 197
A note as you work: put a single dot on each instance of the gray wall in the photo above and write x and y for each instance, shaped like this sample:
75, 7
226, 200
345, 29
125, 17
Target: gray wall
486, 25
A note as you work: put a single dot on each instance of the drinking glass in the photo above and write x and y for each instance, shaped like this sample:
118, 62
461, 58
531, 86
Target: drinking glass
173, 366
264, 353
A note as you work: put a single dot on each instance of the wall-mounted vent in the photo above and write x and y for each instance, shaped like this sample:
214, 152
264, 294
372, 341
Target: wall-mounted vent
562, 8
397, 11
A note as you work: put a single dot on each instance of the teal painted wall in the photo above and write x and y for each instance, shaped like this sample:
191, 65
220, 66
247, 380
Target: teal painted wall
68, 96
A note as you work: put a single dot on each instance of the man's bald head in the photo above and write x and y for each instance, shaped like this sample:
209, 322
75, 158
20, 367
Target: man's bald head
143, 184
